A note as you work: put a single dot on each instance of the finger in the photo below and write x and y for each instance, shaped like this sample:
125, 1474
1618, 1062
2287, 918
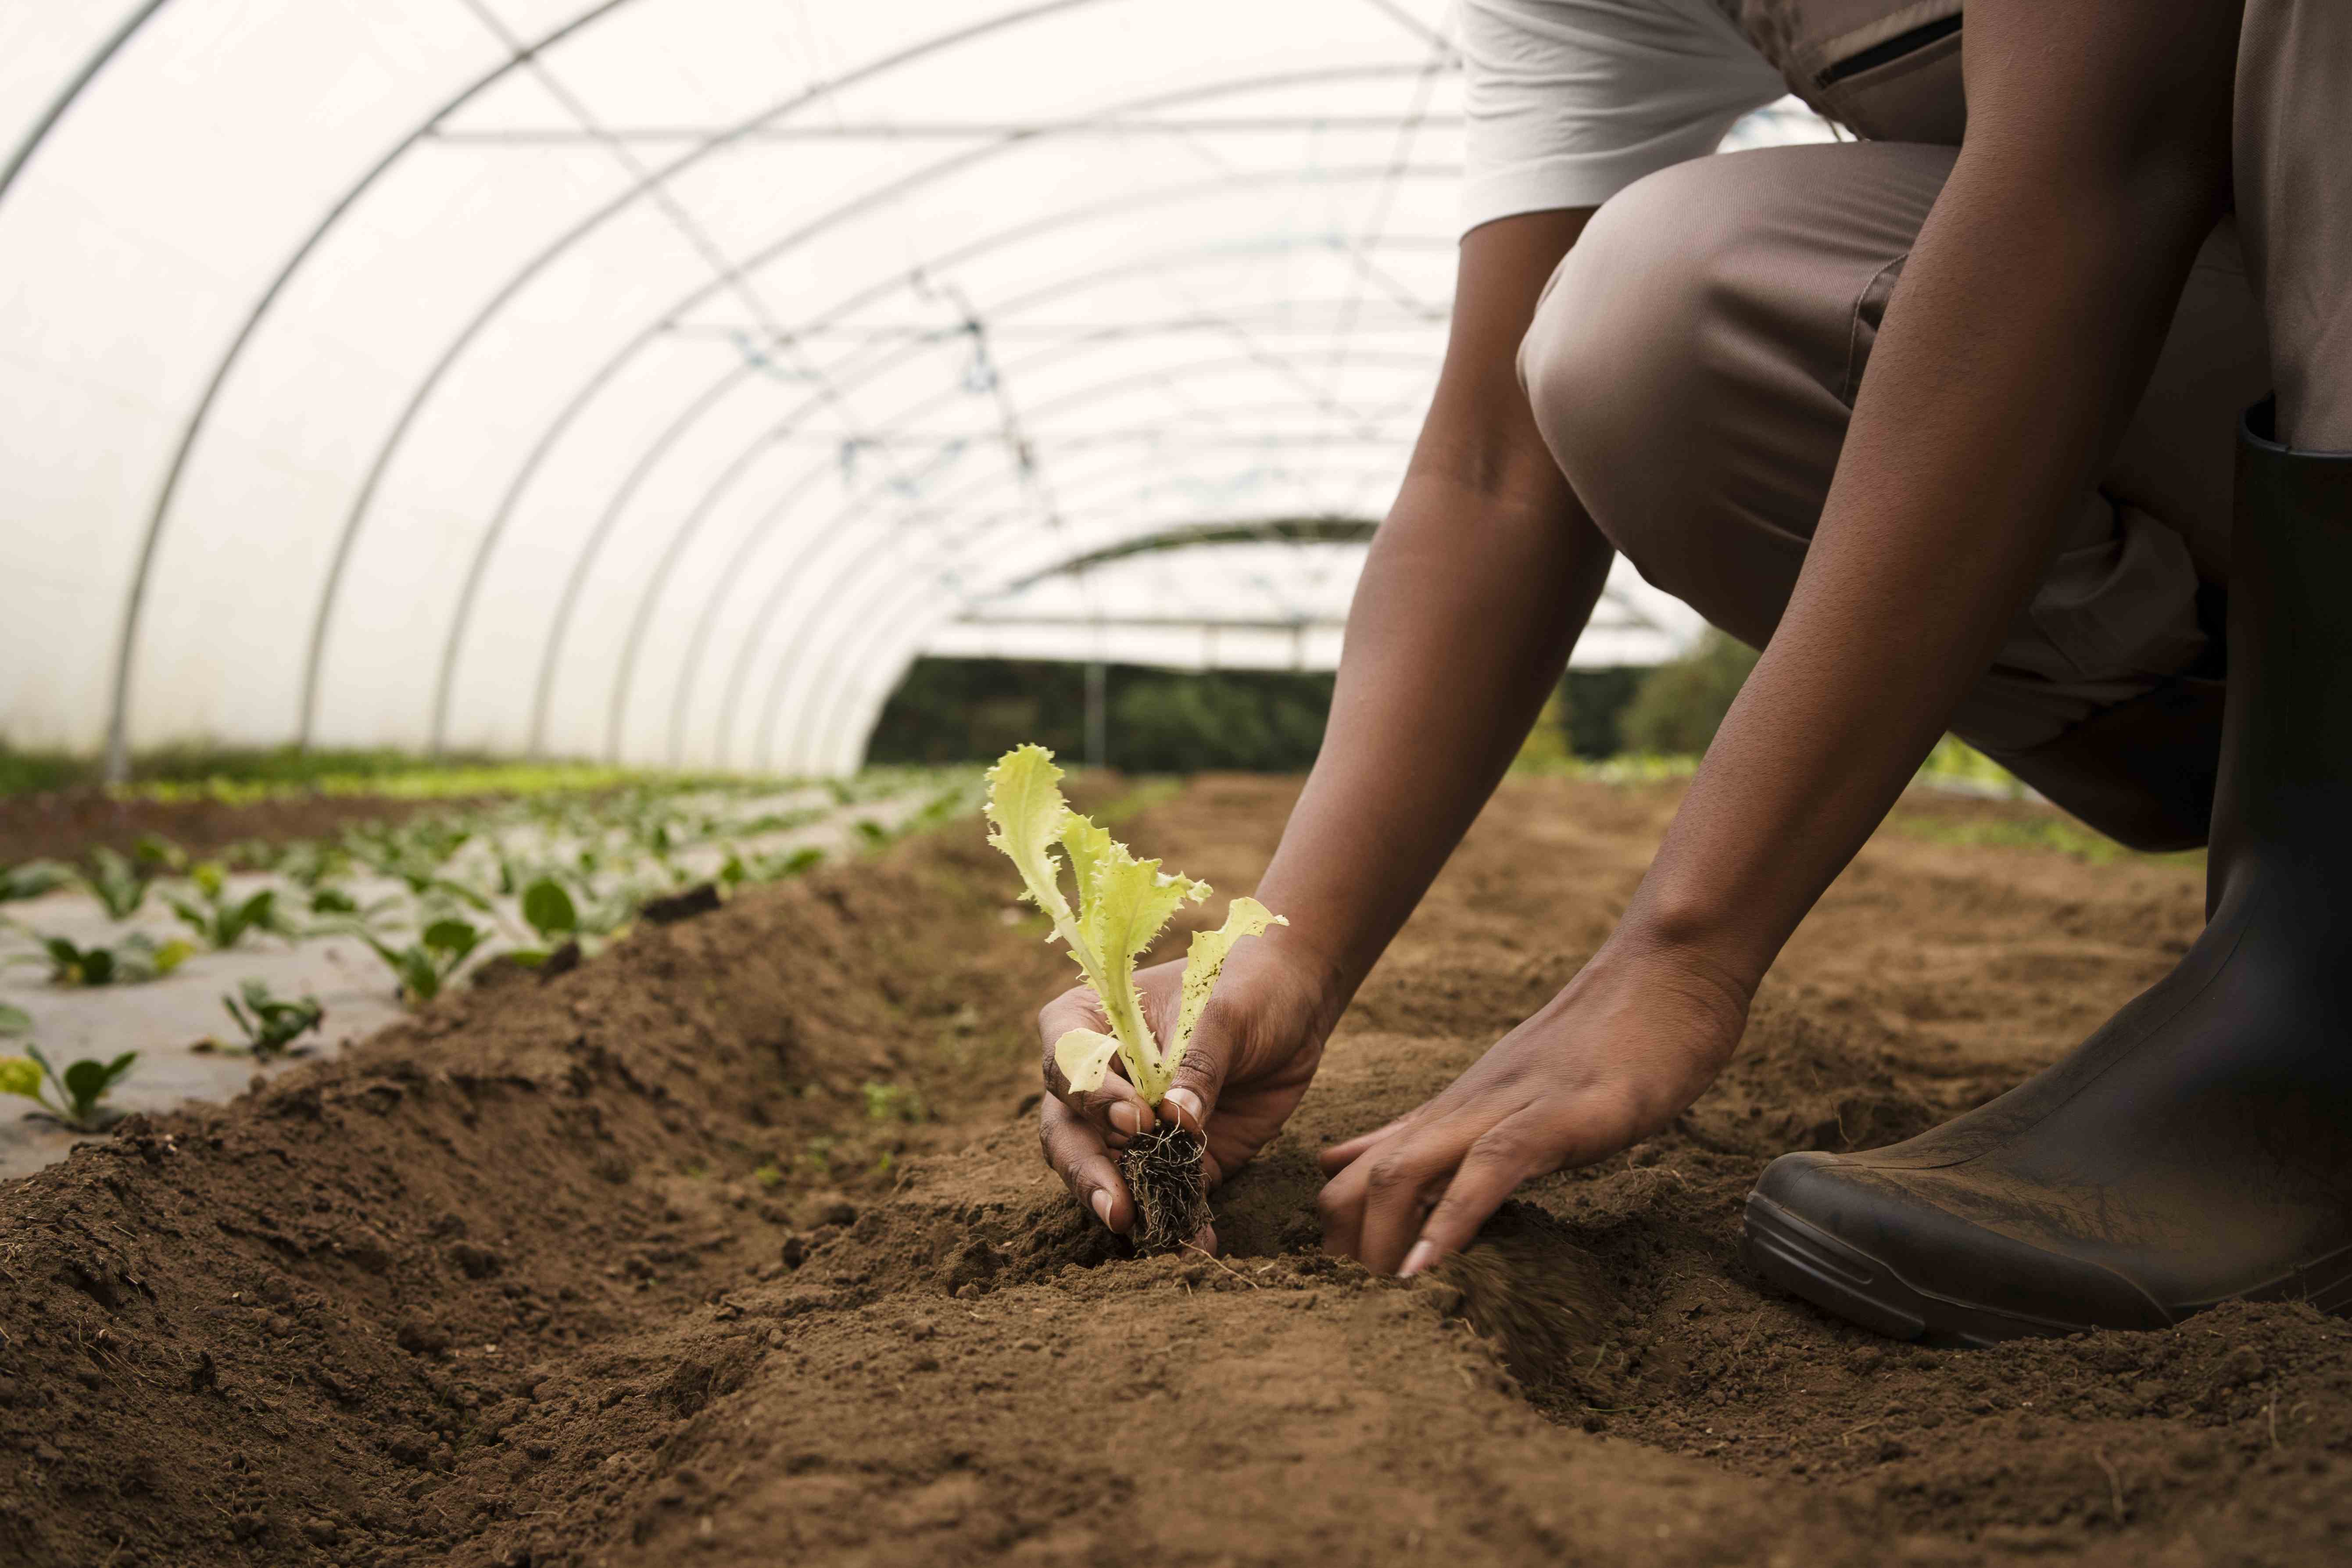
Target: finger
1372, 1207
1076, 1152
1117, 1111
1491, 1169
1400, 1181
1191, 1099
1339, 1156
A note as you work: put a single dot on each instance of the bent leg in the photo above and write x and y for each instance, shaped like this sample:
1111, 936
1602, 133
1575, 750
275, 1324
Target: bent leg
1693, 366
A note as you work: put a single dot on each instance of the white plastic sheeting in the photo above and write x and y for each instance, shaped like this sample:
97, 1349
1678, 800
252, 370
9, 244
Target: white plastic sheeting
655, 378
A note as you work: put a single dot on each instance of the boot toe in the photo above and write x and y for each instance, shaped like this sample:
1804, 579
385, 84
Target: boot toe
1889, 1250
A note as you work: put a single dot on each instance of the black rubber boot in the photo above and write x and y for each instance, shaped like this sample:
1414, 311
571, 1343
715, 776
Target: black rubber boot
2198, 1148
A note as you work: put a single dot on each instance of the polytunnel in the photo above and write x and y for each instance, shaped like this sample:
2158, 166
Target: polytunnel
655, 379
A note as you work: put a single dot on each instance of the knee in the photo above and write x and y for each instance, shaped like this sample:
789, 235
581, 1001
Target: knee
1625, 358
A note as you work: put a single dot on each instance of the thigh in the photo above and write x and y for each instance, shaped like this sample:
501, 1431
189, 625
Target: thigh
1694, 363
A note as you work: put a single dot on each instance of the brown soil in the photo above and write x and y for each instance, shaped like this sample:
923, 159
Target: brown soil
507, 1285
68, 824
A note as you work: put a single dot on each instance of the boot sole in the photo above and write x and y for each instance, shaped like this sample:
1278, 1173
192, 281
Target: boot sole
1847, 1282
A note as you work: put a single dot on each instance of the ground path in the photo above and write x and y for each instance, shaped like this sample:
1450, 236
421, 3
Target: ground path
730, 1247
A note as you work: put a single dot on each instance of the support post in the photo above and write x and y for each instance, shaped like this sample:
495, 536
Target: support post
1097, 717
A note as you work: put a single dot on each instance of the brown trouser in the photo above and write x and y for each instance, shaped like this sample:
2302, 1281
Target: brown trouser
1694, 362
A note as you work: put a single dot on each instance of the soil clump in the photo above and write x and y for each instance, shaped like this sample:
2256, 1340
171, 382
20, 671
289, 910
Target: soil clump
732, 1246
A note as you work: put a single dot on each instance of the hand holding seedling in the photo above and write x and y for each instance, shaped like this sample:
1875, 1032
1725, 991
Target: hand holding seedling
1253, 1054
1120, 905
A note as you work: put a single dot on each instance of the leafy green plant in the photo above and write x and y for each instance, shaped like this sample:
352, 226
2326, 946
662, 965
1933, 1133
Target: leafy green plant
892, 1102
548, 910
31, 878
136, 958
81, 1087
116, 882
221, 921
740, 868
1122, 903
271, 1024
422, 967
344, 913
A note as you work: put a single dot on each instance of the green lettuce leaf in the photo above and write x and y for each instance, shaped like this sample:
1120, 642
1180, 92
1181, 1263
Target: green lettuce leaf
1123, 904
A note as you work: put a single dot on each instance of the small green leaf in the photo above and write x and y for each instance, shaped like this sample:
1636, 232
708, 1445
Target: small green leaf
86, 1080
14, 1020
549, 909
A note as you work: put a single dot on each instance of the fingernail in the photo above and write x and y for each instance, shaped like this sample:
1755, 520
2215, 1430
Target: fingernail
1125, 1117
1186, 1101
1421, 1255
1101, 1201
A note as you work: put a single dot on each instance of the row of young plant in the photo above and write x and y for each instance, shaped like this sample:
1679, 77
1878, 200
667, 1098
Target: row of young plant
575, 869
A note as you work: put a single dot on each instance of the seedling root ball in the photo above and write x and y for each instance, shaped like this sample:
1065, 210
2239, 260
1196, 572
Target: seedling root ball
1165, 1176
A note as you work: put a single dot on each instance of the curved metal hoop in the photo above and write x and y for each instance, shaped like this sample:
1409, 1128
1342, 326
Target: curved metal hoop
118, 733
883, 608
658, 583
848, 716
594, 386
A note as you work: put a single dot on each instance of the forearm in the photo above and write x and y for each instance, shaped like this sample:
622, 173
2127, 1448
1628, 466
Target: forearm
1462, 624
2027, 319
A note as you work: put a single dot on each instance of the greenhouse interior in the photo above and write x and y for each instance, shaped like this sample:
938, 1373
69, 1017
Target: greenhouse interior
550, 544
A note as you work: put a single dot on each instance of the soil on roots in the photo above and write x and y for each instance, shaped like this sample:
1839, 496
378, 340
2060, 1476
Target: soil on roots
633, 1268
1166, 1177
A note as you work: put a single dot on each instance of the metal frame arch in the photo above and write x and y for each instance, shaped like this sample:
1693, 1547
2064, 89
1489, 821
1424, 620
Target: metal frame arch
118, 739
544, 689
831, 711
703, 622
594, 386
355, 517
822, 538
63, 99
520, 280
887, 605
833, 532
477, 570
709, 609
839, 726
849, 377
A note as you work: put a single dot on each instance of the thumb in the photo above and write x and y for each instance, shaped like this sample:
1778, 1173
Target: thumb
1191, 1099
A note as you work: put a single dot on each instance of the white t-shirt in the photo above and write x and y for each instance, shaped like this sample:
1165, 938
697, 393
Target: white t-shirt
1570, 102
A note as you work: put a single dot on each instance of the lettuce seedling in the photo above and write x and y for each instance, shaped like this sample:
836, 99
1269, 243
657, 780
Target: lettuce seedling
31, 878
81, 1087
116, 883
272, 1024
134, 959
221, 921
1122, 904
425, 965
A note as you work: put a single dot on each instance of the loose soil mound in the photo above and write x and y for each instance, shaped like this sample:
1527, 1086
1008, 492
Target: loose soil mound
68, 824
732, 1247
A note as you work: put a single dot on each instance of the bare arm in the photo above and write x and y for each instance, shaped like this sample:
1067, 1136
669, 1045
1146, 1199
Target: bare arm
2028, 320
1477, 585
1476, 588
2028, 315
